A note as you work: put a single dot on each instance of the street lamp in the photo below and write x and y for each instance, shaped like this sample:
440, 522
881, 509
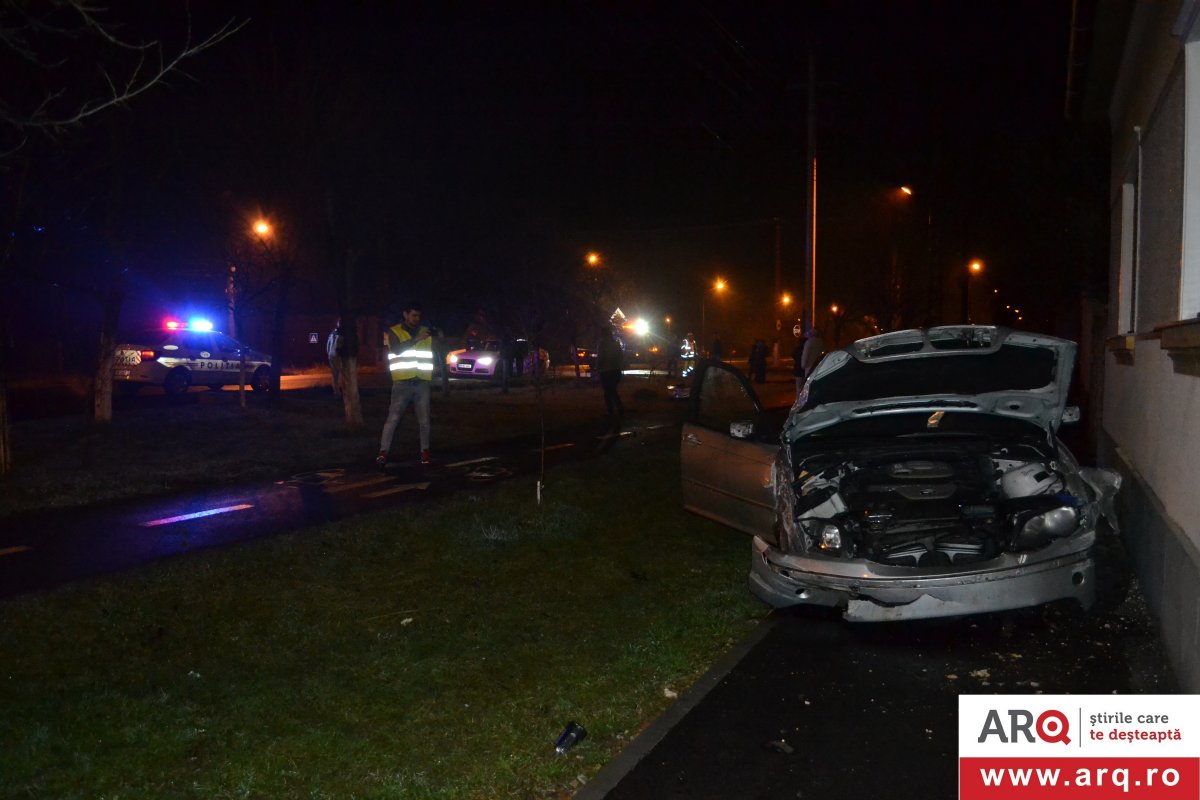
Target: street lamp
262, 229
593, 259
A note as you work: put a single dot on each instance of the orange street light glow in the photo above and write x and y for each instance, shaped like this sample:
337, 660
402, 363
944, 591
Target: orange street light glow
786, 299
719, 285
593, 258
976, 266
262, 227
834, 308
906, 189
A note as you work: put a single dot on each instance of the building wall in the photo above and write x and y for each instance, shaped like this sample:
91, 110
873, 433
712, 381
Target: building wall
1150, 429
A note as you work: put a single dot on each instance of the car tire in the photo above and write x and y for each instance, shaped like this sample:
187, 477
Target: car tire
261, 382
177, 383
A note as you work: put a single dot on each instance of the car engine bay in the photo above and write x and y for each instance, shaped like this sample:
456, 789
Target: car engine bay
933, 505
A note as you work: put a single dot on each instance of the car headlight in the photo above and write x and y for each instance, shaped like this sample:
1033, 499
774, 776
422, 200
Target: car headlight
825, 536
486, 361
1033, 529
831, 538
453, 359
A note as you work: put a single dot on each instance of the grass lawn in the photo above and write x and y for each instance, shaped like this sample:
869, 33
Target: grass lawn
424, 653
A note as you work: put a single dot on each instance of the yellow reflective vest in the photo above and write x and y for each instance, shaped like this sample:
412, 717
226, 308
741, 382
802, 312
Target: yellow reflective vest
407, 360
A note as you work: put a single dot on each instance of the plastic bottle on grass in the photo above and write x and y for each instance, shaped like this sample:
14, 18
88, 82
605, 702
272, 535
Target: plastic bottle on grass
572, 735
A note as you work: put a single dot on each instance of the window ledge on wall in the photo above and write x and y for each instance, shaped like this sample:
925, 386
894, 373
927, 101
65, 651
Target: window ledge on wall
1181, 337
1121, 344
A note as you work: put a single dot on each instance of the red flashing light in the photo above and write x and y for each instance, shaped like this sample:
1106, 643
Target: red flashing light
147, 355
173, 324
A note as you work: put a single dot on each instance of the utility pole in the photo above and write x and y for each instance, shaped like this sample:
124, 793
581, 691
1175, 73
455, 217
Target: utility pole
810, 199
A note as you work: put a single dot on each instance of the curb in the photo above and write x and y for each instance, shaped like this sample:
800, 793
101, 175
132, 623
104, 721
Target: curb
615, 771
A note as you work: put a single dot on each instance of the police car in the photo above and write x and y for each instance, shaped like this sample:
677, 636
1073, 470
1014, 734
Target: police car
184, 354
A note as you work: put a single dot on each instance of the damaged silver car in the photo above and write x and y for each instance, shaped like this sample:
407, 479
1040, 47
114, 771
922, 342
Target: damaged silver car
919, 474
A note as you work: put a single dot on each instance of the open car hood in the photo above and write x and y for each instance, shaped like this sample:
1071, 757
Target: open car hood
961, 368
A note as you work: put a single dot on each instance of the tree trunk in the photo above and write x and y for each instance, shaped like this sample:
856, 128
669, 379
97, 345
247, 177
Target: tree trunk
351, 402
278, 331
6, 463
102, 383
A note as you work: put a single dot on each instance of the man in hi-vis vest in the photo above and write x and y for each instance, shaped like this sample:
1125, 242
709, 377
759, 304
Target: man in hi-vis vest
410, 363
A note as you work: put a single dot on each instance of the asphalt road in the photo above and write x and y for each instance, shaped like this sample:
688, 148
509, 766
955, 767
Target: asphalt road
40, 551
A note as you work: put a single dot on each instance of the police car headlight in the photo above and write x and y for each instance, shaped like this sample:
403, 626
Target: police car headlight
486, 361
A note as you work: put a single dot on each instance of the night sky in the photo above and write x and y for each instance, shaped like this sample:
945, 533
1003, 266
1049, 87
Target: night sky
478, 145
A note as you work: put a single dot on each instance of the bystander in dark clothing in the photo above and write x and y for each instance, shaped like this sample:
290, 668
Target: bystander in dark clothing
717, 352
610, 362
758, 361
335, 351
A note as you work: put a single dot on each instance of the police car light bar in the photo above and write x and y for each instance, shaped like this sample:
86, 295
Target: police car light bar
195, 324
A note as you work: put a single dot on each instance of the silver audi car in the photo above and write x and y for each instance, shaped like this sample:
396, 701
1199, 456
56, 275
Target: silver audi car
919, 474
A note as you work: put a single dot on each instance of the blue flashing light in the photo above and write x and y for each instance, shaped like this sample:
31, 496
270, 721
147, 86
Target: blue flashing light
198, 324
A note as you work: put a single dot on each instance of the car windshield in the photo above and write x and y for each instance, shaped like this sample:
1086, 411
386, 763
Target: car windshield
1009, 368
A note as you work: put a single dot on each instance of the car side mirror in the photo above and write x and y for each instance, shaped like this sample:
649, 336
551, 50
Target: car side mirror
741, 430
1070, 415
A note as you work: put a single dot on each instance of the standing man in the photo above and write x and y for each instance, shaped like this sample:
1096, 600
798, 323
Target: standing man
609, 360
333, 349
410, 363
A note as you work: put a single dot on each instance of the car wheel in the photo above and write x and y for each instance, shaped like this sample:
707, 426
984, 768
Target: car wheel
177, 383
261, 382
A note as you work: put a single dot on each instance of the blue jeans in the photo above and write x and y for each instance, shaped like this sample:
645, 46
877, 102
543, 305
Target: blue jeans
415, 391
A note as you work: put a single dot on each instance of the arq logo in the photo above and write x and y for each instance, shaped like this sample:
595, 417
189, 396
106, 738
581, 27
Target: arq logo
1051, 727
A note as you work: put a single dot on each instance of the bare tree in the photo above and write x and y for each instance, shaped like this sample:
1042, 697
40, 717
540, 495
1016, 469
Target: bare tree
48, 90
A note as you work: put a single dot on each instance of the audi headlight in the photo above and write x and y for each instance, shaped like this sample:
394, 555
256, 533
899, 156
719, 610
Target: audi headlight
486, 361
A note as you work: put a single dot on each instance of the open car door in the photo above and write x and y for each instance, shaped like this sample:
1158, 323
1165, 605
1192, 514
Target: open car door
727, 452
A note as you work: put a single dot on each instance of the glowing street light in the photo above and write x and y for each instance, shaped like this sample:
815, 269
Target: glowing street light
640, 326
833, 309
262, 229
907, 190
593, 259
785, 300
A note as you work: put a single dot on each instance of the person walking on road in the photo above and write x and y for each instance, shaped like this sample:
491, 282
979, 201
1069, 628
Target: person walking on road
609, 361
758, 361
334, 351
410, 363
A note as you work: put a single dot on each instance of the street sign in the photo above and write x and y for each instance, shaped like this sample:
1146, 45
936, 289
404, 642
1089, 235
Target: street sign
312, 338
